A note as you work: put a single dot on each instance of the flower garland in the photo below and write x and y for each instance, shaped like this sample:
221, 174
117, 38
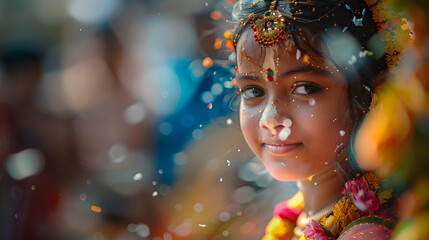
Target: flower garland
361, 200
394, 31
284, 221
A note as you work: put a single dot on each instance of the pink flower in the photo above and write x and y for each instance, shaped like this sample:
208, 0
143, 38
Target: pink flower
284, 212
367, 202
355, 186
314, 231
364, 200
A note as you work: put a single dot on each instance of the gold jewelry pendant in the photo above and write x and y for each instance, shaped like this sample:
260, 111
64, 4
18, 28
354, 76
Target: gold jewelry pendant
269, 27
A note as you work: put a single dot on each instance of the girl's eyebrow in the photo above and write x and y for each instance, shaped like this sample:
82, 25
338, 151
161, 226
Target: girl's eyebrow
240, 77
304, 69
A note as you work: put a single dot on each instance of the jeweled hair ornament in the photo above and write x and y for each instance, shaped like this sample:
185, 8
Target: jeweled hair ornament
269, 27
272, 26
275, 21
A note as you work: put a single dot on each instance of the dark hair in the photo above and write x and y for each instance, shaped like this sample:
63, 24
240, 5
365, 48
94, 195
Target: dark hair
312, 26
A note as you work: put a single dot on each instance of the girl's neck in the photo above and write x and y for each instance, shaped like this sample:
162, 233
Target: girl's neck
320, 191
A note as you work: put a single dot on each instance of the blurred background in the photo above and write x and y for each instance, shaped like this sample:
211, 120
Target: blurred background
118, 120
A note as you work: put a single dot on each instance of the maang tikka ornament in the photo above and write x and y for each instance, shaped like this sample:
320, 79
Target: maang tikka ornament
269, 27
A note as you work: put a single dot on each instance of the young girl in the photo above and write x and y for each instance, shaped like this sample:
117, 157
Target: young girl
306, 71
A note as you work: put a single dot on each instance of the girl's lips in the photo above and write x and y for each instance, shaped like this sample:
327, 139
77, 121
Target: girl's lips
281, 149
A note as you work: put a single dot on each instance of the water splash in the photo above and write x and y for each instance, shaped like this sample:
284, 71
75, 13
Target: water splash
284, 134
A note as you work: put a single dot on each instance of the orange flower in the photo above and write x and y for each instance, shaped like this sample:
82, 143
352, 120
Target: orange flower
279, 228
345, 213
371, 181
383, 136
330, 223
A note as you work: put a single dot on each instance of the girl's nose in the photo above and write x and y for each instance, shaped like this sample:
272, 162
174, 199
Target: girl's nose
274, 120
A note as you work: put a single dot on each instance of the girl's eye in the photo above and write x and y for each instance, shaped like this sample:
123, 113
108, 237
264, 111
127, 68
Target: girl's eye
252, 92
306, 88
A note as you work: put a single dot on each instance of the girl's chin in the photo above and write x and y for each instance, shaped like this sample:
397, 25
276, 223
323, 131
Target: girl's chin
284, 174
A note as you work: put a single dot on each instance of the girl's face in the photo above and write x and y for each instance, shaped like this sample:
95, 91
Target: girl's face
294, 111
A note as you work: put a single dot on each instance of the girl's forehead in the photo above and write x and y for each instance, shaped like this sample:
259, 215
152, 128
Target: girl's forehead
251, 54
281, 60
247, 47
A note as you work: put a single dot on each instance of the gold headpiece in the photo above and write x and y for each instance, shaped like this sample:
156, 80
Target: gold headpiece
269, 27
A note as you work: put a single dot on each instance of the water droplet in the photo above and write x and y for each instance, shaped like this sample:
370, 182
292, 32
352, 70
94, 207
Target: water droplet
154, 182
33, 187
180, 158
118, 153
229, 121
202, 225
167, 236
216, 89
224, 216
198, 207
228, 162
135, 113
160, 171
287, 122
165, 128
312, 102
142, 230
178, 207
238, 150
131, 227
82, 197
212, 165
284, 134
220, 180
197, 134
298, 54
154, 194
24, 164
342, 133
138, 177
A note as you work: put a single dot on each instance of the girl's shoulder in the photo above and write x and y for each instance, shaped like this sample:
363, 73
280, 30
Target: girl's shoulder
371, 227
364, 209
